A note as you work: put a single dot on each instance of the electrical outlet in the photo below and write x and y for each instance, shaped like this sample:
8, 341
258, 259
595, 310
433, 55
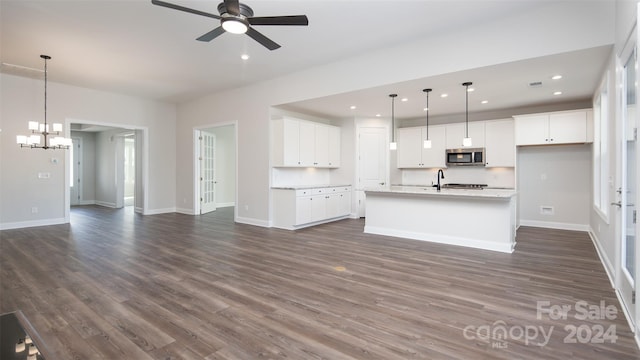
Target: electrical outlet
546, 210
246, 208
34, 209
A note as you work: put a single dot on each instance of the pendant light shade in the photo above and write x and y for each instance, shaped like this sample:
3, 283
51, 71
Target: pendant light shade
427, 141
393, 145
466, 141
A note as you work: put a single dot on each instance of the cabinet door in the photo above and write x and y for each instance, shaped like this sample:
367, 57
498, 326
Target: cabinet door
532, 129
334, 146
567, 128
500, 143
435, 157
318, 207
409, 151
322, 146
456, 132
333, 205
303, 209
291, 140
345, 203
307, 141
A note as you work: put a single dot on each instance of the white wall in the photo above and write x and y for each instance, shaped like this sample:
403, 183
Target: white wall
21, 100
552, 28
557, 176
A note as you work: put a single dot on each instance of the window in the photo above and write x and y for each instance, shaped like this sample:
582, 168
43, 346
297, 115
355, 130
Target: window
601, 149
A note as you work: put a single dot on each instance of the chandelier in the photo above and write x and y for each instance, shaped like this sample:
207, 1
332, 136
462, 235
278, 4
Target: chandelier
41, 136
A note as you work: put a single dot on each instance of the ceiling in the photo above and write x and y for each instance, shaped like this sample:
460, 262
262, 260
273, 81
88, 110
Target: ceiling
136, 48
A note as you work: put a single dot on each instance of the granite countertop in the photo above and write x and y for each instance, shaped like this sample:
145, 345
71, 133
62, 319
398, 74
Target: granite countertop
303, 187
431, 191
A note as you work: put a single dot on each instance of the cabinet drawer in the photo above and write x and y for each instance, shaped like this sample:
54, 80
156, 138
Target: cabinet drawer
303, 192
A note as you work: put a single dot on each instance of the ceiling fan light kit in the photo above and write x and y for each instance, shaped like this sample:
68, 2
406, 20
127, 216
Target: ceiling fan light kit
237, 18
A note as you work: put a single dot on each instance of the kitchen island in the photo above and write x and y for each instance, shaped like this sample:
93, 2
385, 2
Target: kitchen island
483, 219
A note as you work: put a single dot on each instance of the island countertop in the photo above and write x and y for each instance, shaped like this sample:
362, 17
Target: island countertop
431, 191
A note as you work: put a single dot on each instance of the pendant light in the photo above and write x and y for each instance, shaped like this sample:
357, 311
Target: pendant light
393, 145
427, 142
33, 141
467, 140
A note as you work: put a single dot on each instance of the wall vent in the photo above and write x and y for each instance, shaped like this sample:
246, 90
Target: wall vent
535, 84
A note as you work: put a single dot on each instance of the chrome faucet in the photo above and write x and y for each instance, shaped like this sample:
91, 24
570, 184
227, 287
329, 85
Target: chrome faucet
440, 173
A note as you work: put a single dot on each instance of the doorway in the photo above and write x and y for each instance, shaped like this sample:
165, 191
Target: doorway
108, 165
214, 167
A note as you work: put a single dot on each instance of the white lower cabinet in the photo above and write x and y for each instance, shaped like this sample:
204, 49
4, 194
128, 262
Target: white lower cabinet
298, 208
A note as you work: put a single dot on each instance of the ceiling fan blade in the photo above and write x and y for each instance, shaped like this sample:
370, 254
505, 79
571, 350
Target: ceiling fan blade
280, 20
265, 41
211, 34
233, 7
182, 8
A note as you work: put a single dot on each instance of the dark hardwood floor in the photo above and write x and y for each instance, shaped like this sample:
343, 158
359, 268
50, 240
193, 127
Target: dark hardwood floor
118, 285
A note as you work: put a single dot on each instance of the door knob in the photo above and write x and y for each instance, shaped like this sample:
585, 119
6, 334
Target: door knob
618, 204
381, 183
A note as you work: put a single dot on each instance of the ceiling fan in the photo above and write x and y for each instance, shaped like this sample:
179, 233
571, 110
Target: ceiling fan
237, 18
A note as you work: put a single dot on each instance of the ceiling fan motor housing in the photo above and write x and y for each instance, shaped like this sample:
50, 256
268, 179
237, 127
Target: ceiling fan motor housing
245, 11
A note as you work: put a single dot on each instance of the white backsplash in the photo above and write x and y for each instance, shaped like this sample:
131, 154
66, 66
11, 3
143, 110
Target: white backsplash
299, 176
494, 177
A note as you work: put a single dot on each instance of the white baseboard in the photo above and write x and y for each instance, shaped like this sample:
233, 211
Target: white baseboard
159, 211
604, 259
185, 211
554, 225
138, 210
32, 223
251, 221
226, 204
106, 204
87, 202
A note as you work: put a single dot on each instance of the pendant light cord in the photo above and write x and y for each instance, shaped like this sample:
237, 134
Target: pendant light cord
393, 127
466, 84
428, 110
45, 95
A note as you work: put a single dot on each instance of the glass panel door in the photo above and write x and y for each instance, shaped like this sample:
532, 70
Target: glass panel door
629, 189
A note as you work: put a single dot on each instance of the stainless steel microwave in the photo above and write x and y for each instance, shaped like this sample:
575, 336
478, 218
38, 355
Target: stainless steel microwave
468, 157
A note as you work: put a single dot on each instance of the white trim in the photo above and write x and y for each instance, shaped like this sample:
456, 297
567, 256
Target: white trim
437, 238
106, 204
159, 211
32, 223
185, 211
626, 313
138, 210
225, 204
604, 259
296, 227
554, 225
252, 221
87, 202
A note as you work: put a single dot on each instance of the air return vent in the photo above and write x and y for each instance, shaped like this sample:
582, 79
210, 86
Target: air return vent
535, 84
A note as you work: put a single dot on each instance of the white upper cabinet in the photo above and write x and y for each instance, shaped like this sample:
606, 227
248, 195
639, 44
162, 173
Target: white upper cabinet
411, 152
456, 132
500, 148
300, 143
564, 127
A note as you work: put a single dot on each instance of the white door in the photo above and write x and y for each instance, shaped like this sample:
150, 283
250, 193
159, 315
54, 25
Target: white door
207, 172
626, 223
75, 156
373, 162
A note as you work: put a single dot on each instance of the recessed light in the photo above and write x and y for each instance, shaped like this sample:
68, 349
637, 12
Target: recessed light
556, 77
484, 102
378, 115
557, 93
352, 107
444, 95
244, 57
404, 99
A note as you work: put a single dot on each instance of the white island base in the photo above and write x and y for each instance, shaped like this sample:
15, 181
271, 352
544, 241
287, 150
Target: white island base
483, 219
